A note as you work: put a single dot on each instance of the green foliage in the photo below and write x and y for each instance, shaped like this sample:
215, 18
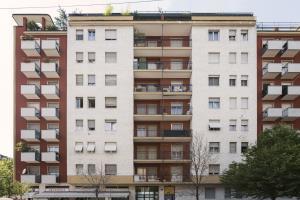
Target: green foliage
32, 26
19, 189
271, 169
126, 12
51, 28
62, 20
108, 10
6, 178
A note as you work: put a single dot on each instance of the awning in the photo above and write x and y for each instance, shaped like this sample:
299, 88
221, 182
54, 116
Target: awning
80, 194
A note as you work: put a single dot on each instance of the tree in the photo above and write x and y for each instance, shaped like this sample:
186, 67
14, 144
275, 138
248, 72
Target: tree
270, 169
97, 180
62, 20
6, 177
200, 157
108, 10
33, 26
19, 189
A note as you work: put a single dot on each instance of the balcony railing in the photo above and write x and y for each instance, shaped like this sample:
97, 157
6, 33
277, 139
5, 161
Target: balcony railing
163, 133
31, 156
162, 178
30, 47
30, 69
50, 113
30, 135
50, 179
162, 155
30, 178
29, 113
50, 47
50, 157
156, 42
163, 65
162, 88
163, 110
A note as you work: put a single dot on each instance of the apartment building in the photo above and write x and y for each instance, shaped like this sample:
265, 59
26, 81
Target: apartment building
136, 91
40, 112
278, 69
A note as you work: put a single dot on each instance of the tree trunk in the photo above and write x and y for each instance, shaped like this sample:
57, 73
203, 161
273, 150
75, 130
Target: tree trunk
197, 192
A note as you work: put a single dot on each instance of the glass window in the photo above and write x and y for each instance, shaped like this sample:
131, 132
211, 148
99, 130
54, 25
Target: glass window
244, 125
244, 102
79, 57
232, 80
244, 147
79, 102
214, 147
91, 57
244, 80
110, 34
79, 169
110, 125
213, 103
213, 35
214, 125
214, 169
91, 79
111, 169
79, 124
91, 125
232, 125
110, 80
91, 34
232, 147
232, 35
210, 193
79, 79
244, 35
232, 58
110, 57
110, 102
232, 102
213, 58
213, 80
53, 170
79, 34
53, 148
91, 102
244, 58
91, 169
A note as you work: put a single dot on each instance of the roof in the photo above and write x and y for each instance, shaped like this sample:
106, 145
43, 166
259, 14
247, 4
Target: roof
33, 17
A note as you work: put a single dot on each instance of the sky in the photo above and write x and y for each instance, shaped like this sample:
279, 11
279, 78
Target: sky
265, 10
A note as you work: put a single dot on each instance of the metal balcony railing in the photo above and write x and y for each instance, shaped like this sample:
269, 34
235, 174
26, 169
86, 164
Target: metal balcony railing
149, 109
162, 65
162, 88
162, 133
165, 42
162, 155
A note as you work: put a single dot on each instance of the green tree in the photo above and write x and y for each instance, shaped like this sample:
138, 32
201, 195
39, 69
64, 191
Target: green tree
32, 26
270, 169
6, 177
108, 10
19, 189
62, 20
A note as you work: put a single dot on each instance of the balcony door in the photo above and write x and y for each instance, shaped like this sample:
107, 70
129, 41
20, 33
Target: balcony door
152, 43
176, 86
176, 42
32, 170
176, 108
176, 152
141, 131
176, 64
151, 109
33, 105
141, 109
177, 126
176, 173
33, 126
142, 173
152, 130
152, 153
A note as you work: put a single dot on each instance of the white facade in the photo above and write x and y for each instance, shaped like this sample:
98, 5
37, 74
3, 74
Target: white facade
123, 91
202, 91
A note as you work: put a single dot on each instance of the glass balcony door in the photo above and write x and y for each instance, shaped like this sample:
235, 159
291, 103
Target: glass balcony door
176, 109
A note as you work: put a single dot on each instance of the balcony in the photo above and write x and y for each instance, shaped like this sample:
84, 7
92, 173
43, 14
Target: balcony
30, 69
50, 135
50, 70
156, 91
50, 47
163, 136
31, 47
156, 47
162, 156
290, 114
30, 135
290, 71
50, 91
272, 70
272, 114
30, 91
30, 114
162, 69
30, 157
30, 178
49, 179
146, 178
290, 92
50, 157
290, 49
272, 47
151, 112
272, 92
163, 178
50, 114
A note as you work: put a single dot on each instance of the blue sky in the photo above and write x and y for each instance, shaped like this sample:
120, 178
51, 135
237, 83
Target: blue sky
265, 10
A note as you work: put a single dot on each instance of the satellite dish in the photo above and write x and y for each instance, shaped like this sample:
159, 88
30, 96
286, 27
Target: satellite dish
24, 171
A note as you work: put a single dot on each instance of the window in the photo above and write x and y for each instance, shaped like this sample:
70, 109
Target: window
91, 169
213, 80
79, 79
79, 147
244, 80
213, 35
79, 124
244, 125
110, 80
79, 102
91, 34
214, 147
79, 34
244, 35
232, 35
232, 125
110, 57
53, 170
232, 103
232, 147
91, 79
210, 193
91, 146
214, 125
53, 126
53, 148
111, 169
110, 34
214, 169
213, 103
244, 147
244, 58
244, 103
232, 80
91, 125
79, 169
110, 125
79, 57
110, 102
91, 57
232, 58
110, 146
213, 58
91, 102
